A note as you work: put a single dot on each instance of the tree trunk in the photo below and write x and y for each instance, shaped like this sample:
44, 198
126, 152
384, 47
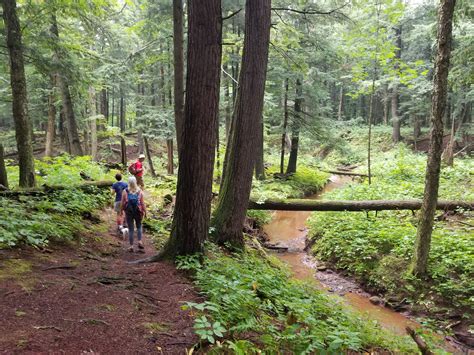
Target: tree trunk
370, 205
169, 149
385, 105
51, 129
93, 123
113, 106
235, 189
139, 120
23, 128
259, 159
149, 157
178, 62
228, 105
104, 106
3, 169
285, 125
440, 84
295, 129
396, 121
196, 160
341, 102
123, 145
73, 141
416, 127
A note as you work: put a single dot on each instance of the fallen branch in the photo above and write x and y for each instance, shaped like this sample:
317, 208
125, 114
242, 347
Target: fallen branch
42, 327
59, 267
52, 188
371, 205
419, 342
348, 173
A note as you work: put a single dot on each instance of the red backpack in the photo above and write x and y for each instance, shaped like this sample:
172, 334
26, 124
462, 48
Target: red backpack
132, 169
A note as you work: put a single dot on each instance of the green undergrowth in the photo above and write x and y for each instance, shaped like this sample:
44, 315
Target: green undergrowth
63, 170
253, 305
306, 181
377, 247
54, 216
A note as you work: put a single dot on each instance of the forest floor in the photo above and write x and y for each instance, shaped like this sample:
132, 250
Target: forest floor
85, 297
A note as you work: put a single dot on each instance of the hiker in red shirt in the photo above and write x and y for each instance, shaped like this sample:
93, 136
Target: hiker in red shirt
137, 170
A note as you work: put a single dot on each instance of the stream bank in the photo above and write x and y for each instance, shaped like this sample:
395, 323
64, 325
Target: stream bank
287, 234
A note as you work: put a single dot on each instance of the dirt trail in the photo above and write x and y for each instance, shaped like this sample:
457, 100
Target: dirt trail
86, 298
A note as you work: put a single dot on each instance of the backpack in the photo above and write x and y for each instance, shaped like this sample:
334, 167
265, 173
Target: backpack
133, 204
132, 169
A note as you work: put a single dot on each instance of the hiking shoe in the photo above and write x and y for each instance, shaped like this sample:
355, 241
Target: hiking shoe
140, 246
130, 249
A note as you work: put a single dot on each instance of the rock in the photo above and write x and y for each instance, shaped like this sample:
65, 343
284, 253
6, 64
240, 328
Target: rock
168, 199
321, 267
375, 300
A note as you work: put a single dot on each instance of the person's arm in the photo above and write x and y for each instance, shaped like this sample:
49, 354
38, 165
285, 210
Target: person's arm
142, 201
124, 199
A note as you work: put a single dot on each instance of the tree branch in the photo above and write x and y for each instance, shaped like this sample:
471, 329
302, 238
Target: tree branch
310, 11
231, 15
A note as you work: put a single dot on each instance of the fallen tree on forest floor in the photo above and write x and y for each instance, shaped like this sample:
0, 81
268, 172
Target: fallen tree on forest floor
370, 205
44, 189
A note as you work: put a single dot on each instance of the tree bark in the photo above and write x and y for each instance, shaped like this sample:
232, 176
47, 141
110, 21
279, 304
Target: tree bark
169, 150
3, 169
295, 129
196, 162
123, 145
370, 205
51, 129
235, 189
440, 85
341, 102
285, 125
259, 159
178, 62
93, 123
72, 136
396, 121
23, 128
149, 157
139, 120
228, 105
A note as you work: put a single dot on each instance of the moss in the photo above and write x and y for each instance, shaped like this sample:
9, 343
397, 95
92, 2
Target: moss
18, 270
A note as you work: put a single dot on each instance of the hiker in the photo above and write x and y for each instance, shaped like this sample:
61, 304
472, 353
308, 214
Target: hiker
134, 207
117, 188
137, 170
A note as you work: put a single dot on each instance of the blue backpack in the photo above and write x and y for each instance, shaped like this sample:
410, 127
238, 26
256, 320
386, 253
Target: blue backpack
133, 204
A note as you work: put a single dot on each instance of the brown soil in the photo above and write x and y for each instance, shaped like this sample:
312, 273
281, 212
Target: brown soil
93, 301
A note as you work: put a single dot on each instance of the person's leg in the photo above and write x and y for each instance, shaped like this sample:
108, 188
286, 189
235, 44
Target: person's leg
140, 182
130, 229
118, 210
139, 233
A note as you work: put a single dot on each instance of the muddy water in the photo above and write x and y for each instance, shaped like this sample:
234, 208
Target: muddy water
288, 229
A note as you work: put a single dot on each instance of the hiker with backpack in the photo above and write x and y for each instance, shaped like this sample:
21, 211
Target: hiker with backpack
117, 189
137, 170
135, 210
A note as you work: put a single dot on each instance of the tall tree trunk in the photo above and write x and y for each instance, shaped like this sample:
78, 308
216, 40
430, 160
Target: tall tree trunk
139, 120
385, 105
259, 159
93, 122
51, 129
235, 189
113, 106
3, 169
169, 150
72, 136
23, 128
285, 125
440, 85
123, 145
341, 102
149, 157
178, 62
104, 106
396, 121
295, 129
196, 160
228, 105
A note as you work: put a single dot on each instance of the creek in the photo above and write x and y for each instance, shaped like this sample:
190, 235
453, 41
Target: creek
287, 229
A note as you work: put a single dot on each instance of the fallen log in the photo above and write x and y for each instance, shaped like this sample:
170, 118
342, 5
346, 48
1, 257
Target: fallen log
348, 173
371, 205
51, 188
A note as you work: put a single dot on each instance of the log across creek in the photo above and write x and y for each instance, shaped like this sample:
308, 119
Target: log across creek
366, 205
